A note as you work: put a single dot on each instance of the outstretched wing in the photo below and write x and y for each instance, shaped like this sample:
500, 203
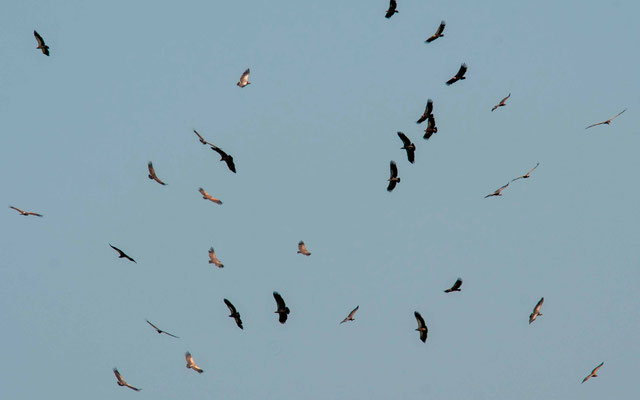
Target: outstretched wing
279, 300
218, 150
404, 138
230, 164
536, 309
618, 114
17, 209
461, 71
393, 169
200, 137
420, 320
441, 28
39, 38
232, 309
427, 112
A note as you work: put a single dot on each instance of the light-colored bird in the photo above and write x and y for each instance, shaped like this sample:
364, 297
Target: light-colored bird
200, 138
607, 122
25, 213
438, 33
593, 373
351, 314
41, 45
192, 364
213, 259
536, 311
122, 382
244, 79
302, 249
422, 327
207, 196
152, 174
160, 330
527, 175
502, 103
498, 192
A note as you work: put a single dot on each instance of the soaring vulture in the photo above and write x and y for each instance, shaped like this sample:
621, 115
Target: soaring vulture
455, 287
282, 310
408, 146
351, 314
431, 127
200, 138
234, 314
160, 330
152, 174
213, 259
207, 196
502, 103
527, 175
607, 122
422, 327
192, 364
438, 33
25, 213
392, 9
224, 157
302, 249
536, 311
393, 180
41, 45
244, 79
498, 191
122, 382
427, 112
593, 373
459, 76
121, 254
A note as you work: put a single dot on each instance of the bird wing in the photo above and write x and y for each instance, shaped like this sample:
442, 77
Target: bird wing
120, 252
204, 193
457, 284
200, 137
279, 300
391, 186
155, 327
392, 9
218, 150
599, 123
230, 164
411, 155
33, 213
245, 76
502, 187
595, 370
118, 376
232, 309
394, 169
39, 38
533, 169
302, 248
404, 138
352, 313
461, 71
505, 99
440, 28
618, 114
17, 209
152, 172
536, 309
420, 320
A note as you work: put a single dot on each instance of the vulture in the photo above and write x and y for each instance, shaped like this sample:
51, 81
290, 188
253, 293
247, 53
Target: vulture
607, 122
351, 314
282, 310
121, 254
244, 79
213, 259
152, 174
392, 9
502, 103
25, 213
536, 311
160, 331
422, 327
41, 45
459, 76
593, 373
207, 196
408, 146
234, 314
438, 33
455, 287
200, 138
393, 180
498, 192
427, 112
431, 127
225, 157
122, 382
302, 249
192, 364
527, 175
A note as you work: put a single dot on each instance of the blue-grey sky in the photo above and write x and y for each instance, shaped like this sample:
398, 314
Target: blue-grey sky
312, 137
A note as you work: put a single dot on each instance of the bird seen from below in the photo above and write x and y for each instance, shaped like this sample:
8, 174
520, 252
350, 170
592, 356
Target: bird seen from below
431, 127
392, 9
225, 157
459, 75
393, 179
536, 311
607, 122
25, 213
428, 110
438, 33
502, 103
455, 287
213, 259
527, 175
192, 364
121, 254
160, 331
422, 327
43, 47
122, 382
244, 79
302, 249
593, 373
152, 174
207, 196
351, 314
408, 146
282, 310
200, 138
234, 314
498, 191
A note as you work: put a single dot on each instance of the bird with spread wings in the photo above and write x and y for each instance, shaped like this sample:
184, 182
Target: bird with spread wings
459, 75
25, 213
438, 33
502, 103
152, 174
43, 47
234, 313
607, 122
192, 364
593, 373
122, 382
351, 314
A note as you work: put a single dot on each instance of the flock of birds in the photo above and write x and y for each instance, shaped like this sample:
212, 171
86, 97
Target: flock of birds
281, 308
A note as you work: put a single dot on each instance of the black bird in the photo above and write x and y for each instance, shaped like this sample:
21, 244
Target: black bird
234, 314
455, 287
393, 180
431, 127
392, 9
459, 76
282, 310
422, 327
408, 146
438, 33
152, 174
122, 382
121, 253
224, 157
427, 112
200, 138
160, 331
41, 45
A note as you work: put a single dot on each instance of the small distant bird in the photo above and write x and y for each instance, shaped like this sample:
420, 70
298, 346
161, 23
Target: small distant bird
41, 45
536, 311
25, 213
438, 33
213, 259
607, 122
351, 314
427, 112
224, 157
459, 76
455, 287
121, 254
122, 382
527, 175
408, 146
282, 310
244, 79
422, 327
431, 127
593, 373
502, 103
393, 180
302, 249
152, 174
201, 138
498, 192
192, 364
392, 9
207, 196
234, 314
160, 331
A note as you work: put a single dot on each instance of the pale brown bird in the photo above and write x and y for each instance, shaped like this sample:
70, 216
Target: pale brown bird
393, 179
191, 364
502, 103
392, 9
498, 192
431, 127
244, 79
234, 313
121, 254
607, 122
455, 287
25, 213
282, 310
438, 33
593, 373
351, 314
207, 196
122, 382
422, 327
160, 330
41, 45
302, 249
459, 75
428, 110
527, 175
201, 138
536, 311
213, 259
152, 174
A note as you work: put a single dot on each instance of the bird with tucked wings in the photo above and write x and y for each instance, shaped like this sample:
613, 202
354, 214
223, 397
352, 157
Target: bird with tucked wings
498, 191
152, 174
422, 327
160, 331
122, 382
527, 175
282, 310
234, 313
607, 122
459, 75
428, 110
209, 197
438, 33
244, 79
192, 364
431, 127
25, 213
593, 373
408, 146
455, 287
224, 157
536, 311
121, 254
502, 103
393, 179
213, 259
351, 314
392, 9
302, 249
43, 47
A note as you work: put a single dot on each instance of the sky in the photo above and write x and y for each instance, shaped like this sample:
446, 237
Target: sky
312, 136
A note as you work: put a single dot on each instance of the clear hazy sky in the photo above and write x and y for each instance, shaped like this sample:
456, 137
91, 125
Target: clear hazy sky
312, 137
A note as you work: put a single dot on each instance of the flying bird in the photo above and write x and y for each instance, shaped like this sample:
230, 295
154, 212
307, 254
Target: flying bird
302, 249
502, 103
392, 9
224, 157
593, 373
536, 311
25, 213
282, 310
41, 45
607, 122
234, 314
422, 327
438, 33
431, 127
121, 254
527, 175
459, 76
191, 364
455, 287
393, 180
201, 138
213, 259
427, 112
498, 192
244, 79
122, 382
207, 196
351, 314
152, 174
408, 146
160, 331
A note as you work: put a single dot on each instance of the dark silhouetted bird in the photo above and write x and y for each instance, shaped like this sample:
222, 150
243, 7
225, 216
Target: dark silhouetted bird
536, 311
213, 259
351, 314
428, 110
25, 213
121, 254
431, 127
527, 175
207, 196
502, 103
244, 79
224, 157
593, 373
422, 327
498, 192
41, 45
160, 330
455, 287
393, 180
459, 76
152, 174
302, 249
192, 364
392, 9
234, 314
607, 122
282, 310
122, 382
438, 33
408, 146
